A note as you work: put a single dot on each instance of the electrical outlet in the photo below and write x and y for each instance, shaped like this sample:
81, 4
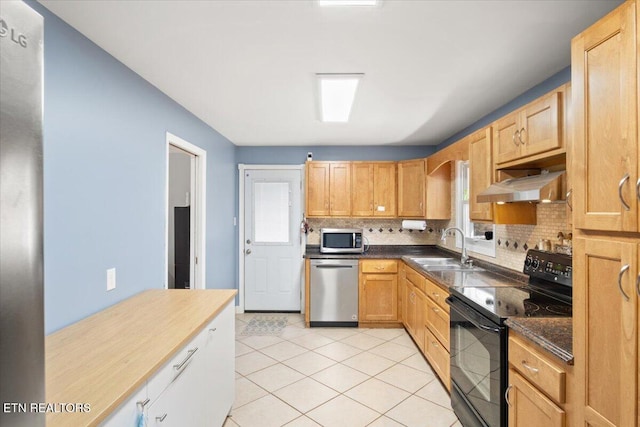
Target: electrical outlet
111, 279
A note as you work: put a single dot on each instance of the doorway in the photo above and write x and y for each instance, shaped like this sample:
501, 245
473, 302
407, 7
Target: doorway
185, 215
271, 244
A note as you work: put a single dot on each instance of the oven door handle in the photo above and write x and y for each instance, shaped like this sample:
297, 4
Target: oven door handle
472, 316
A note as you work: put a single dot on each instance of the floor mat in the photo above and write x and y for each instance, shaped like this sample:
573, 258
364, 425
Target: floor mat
265, 325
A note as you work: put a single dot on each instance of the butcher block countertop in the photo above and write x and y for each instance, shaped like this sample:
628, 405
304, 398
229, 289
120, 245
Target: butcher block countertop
103, 359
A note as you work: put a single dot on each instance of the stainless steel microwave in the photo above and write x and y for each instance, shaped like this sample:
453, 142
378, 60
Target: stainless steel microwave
341, 241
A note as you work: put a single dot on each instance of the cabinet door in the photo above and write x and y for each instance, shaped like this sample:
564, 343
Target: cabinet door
410, 324
379, 297
340, 189
411, 189
420, 319
362, 185
317, 189
218, 377
437, 321
438, 357
507, 144
605, 321
480, 171
384, 190
604, 91
530, 407
541, 125
181, 404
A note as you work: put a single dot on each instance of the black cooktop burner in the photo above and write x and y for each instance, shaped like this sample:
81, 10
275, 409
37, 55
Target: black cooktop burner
499, 303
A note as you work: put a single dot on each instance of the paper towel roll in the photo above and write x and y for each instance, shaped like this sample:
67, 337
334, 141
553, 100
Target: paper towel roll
408, 224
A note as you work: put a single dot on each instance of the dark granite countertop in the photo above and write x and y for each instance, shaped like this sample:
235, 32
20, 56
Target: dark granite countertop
380, 251
554, 334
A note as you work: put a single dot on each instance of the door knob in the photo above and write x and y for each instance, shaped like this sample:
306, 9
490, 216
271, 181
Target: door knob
248, 251
248, 241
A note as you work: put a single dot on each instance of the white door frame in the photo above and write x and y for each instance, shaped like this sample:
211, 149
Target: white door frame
241, 217
198, 215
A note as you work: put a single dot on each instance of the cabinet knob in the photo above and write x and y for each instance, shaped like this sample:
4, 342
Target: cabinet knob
513, 138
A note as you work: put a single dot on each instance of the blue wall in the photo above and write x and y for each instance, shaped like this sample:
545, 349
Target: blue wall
298, 155
561, 77
104, 179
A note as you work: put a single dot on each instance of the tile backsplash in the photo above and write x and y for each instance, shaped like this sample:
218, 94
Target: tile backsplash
512, 241
376, 231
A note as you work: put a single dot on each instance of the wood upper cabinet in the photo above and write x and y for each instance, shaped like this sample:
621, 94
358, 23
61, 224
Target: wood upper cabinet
373, 189
530, 407
317, 189
411, 189
605, 330
605, 154
378, 291
438, 192
534, 129
328, 189
480, 172
340, 189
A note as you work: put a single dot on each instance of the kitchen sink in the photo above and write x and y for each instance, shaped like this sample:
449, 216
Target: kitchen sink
434, 261
451, 267
444, 264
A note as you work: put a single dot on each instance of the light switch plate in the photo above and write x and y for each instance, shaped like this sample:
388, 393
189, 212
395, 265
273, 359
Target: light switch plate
111, 279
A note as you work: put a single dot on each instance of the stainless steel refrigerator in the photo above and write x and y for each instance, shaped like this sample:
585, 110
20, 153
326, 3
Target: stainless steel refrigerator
21, 249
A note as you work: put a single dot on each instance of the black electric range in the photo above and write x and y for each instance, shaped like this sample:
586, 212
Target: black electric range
478, 343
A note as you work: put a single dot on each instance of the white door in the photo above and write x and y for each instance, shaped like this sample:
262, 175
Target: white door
273, 262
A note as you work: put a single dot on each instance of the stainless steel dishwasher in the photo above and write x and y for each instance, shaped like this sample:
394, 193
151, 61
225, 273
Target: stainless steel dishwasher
333, 292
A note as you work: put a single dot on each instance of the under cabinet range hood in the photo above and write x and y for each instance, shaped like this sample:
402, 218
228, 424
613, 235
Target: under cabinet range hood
544, 188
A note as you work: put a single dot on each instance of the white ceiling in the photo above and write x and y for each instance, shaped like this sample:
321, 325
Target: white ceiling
247, 68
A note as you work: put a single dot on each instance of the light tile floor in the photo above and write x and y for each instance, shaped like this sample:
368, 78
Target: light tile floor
335, 377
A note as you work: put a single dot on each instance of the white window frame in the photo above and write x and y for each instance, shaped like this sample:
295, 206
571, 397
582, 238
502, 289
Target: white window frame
477, 244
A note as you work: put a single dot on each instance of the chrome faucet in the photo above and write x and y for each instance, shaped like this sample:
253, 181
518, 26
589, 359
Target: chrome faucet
464, 258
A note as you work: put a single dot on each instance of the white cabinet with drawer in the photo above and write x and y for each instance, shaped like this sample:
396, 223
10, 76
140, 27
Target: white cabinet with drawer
194, 388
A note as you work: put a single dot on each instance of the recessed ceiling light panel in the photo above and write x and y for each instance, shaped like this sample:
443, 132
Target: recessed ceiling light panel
337, 93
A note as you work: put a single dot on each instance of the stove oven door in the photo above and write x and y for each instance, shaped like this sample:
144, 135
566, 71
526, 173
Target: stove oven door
478, 367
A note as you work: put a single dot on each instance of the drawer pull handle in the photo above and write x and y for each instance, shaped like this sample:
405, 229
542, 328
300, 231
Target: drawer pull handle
624, 179
213, 329
506, 394
379, 267
568, 199
638, 188
435, 294
435, 310
161, 419
622, 271
190, 354
638, 285
531, 368
516, 133
143, 403
435, 344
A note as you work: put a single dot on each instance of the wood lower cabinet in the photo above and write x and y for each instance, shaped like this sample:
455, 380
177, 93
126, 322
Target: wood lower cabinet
528, 406
426, 318
605, 330
606, 154
411, 189
539, 392
378, 292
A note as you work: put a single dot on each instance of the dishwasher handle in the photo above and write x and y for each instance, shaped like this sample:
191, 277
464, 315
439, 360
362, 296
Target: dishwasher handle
332, 266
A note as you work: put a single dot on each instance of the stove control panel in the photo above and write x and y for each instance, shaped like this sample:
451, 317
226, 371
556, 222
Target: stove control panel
548, 266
